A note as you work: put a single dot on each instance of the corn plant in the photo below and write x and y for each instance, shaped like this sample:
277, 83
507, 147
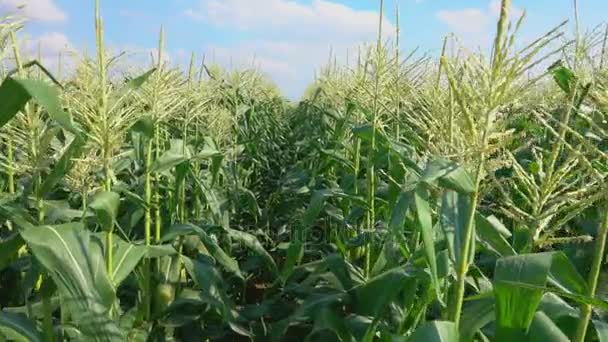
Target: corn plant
457, 197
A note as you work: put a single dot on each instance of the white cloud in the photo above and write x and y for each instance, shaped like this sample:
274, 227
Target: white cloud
41, 10
468, 20
321, 17
49, 43
475, 25
46, 48
293, 39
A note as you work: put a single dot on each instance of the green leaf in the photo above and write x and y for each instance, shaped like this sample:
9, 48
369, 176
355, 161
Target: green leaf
187, 307
327, 319
126, 257
581, 299
211, 284
435, 331
340, 269
74, 260
424, 219
207, 152
180, 230
63, 165
138, 81
365, 131
373, 297
317, 202
400, 212
9, 248
489, 231
295, 252
18, 328
12, 99
515, 306
544, 329
35, 309
556, 307
563, 76
159, 251
475, 315
211, 244
312, 304
455, 209
144, 126
168, 160
601, 329
252, 243
449, 175
565, 276
14, 94
105, 205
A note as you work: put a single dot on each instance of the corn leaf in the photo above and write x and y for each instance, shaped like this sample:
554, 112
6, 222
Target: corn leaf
14, 94
515, 306
9, 248
435, 331
18, 328
425, 223
373, 297
105, 205
544, 329
75, 262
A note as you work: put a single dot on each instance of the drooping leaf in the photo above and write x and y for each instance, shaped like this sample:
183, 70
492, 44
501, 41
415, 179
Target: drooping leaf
564, 275
36, 309
449, 175
601, 329
400, 211
435, 331
12, 99
581, 299
63, 165
168, 160
314, 208
159, 251
18, 328
544, 329
340, 269
327, 319
563, 76
189, 305
75, 262
373, 297
138, 81
144, 126
488, 231
105, 205
14, 94
515, 306
309, 306
455, 209
9, 248
210, 243
295, 252
475, 315
556, 307
424, 220
252, 243
365, 132
210, 282
126, 256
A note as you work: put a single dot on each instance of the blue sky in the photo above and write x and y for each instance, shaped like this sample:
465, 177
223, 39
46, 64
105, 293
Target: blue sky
287, 39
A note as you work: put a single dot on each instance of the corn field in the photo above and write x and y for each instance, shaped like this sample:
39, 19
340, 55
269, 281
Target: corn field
459, 197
